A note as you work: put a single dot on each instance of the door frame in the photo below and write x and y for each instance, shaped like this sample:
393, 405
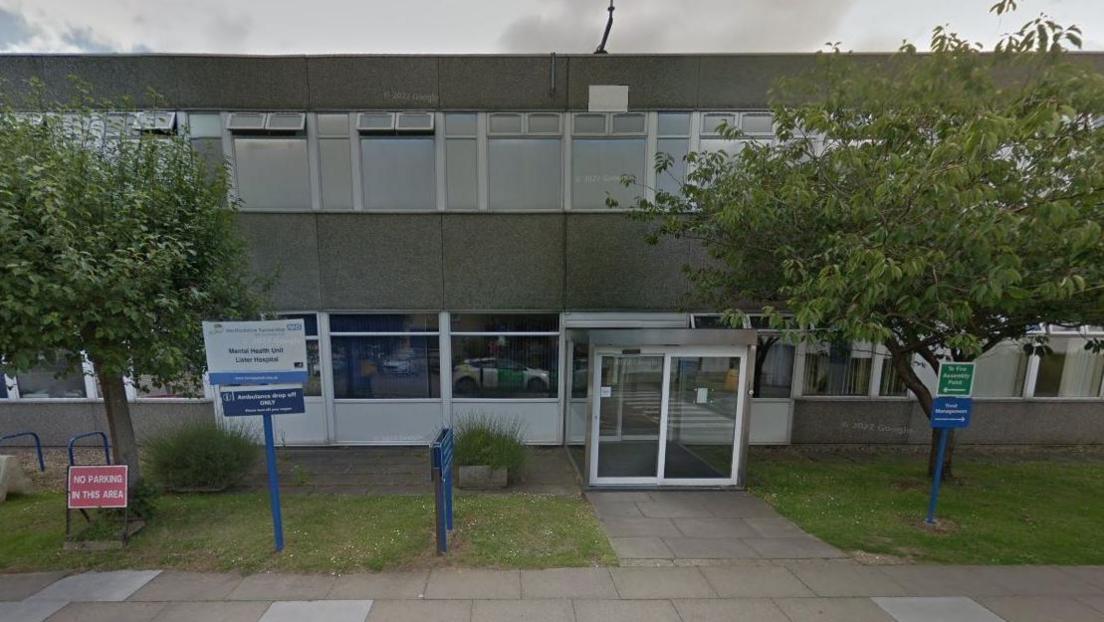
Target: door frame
739, 440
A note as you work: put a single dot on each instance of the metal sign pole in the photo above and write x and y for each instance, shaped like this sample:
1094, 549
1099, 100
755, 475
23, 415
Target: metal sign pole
273, 484
937, 483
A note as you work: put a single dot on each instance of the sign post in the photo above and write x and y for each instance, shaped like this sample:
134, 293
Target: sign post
442, 450
270, 358
951, 409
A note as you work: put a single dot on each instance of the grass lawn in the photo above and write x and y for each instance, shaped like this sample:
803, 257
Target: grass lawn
1000, 509
324, 533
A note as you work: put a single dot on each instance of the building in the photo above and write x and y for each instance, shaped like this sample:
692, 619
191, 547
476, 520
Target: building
440, 223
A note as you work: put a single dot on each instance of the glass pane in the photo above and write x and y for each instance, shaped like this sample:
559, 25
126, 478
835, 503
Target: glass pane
580, 377
597, 165
337, 174
544, 123
891, 384
145, 388
837, 370
505, 124
674, 124
204, 125
730, 147
461, 171
272, 173
1070, 370
525, 173
375, 121
460, 124
711, 123
1000, 371
505, 322
383, 323
773, 368
310, 322
701, 416
757, 123
333, 125
42, 381
628, 417
671, 180
590, 124
313, 386
386, 367
628, 124
399, 173
505, 367
210, 151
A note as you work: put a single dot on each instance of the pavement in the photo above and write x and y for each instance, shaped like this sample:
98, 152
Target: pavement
760, 590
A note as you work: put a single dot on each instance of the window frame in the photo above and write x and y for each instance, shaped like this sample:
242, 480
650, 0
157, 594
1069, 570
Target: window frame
556, 386
329, 390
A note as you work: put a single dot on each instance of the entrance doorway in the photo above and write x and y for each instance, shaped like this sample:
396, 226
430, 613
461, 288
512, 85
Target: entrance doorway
667, 416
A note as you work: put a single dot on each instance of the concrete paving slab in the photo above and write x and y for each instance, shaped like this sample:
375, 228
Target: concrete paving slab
729, 610
661, 583
390, 585
846, 580
635, 527
1036, 580
714, 528
1096, 602
625, 611
20, 586
754, 581
773, 527
1093, 575
673, 509
271, 586
29, 610
792, 548
832, 610
728, 505
618, 497
420, 611
1041, 609
558, 610
935, 609
328, 610
474, 583
612, 509
108, 612
641, 548
709, 548
567, 583
116, 585
172, 585
944, 581
243, 611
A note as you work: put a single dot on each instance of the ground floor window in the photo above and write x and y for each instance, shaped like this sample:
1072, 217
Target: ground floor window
838, 369
385, 356
1000, 371
51, 378
1069, 369
505, 355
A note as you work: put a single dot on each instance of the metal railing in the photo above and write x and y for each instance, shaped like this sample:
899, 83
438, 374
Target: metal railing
38, 446
106, 446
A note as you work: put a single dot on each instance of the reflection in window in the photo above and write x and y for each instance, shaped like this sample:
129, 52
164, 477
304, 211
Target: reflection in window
398, 172
336, 173
597, 165
524, 173
145, 387
504, 366
391, 367
1069, 370
837, 370
891, 384
272, 172
44, 381
773, 367
1000, 371
580, 367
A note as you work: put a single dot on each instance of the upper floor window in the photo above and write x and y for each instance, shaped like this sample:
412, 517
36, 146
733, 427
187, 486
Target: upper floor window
524, 161
398, 160
673, 139
753, 126
604, 148
271, 165
335, 161
462, 160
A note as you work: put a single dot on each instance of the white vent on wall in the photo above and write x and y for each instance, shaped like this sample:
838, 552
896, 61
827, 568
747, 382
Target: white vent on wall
245, 121
158, 121
286, 121
375, 122
608, 98
414, 122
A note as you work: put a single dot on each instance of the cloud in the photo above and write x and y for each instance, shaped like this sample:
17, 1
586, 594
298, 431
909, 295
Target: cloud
701, 26
14, 30
85, 40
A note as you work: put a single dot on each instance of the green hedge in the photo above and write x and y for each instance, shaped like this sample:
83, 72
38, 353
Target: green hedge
202, 456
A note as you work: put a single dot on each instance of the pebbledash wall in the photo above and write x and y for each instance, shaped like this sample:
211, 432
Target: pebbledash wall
569, 260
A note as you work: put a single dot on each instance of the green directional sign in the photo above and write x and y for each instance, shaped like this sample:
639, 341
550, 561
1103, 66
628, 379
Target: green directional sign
956, 379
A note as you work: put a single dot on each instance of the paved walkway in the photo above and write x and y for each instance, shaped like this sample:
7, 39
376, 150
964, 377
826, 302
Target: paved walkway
688, 528
753, 590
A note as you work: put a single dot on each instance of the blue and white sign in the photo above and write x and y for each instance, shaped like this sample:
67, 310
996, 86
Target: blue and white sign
264, 400
951, 412
442, 451
265, 352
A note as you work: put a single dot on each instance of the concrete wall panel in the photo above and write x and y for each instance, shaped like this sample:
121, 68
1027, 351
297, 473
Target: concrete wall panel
113, 77
503, 83
285, 246
57, 421
653, 81
503, 261
239, 82
350, 82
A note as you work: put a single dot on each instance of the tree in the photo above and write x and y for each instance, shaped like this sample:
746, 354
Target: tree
936, 203
114, 243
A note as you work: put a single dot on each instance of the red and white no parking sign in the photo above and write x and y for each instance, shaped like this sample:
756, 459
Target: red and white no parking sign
98, 486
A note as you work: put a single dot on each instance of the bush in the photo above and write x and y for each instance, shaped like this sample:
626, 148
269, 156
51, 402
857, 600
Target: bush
485, 440
202, 456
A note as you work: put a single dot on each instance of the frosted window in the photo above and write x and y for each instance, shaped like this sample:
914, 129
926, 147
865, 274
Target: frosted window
337, 174
674, 124
544, 123
461, 164
505, 124
272, 173
333, 125
524, 173
1070, 370
590, 124
398, 173
597, 165
460, 124
204, 125
628, 124
1000, 371
671, 179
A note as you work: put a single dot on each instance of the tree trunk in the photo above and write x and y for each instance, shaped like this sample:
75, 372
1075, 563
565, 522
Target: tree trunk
124, 448
902, 363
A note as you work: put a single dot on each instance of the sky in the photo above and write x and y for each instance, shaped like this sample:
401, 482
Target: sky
510, 26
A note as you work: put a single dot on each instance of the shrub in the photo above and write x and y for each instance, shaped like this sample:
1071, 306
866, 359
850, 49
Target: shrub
494, 442
202, 456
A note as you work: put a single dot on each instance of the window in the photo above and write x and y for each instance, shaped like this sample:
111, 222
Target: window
605, 148
505, 356
891, 384
44, 381
524, 161
398, 161
271, 166
837, 370
773, 367
313, 386
1000, 371
751, 125
145, 388
385, 356
673, 139
461, 161
580, 367
1069, 370
336, 174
